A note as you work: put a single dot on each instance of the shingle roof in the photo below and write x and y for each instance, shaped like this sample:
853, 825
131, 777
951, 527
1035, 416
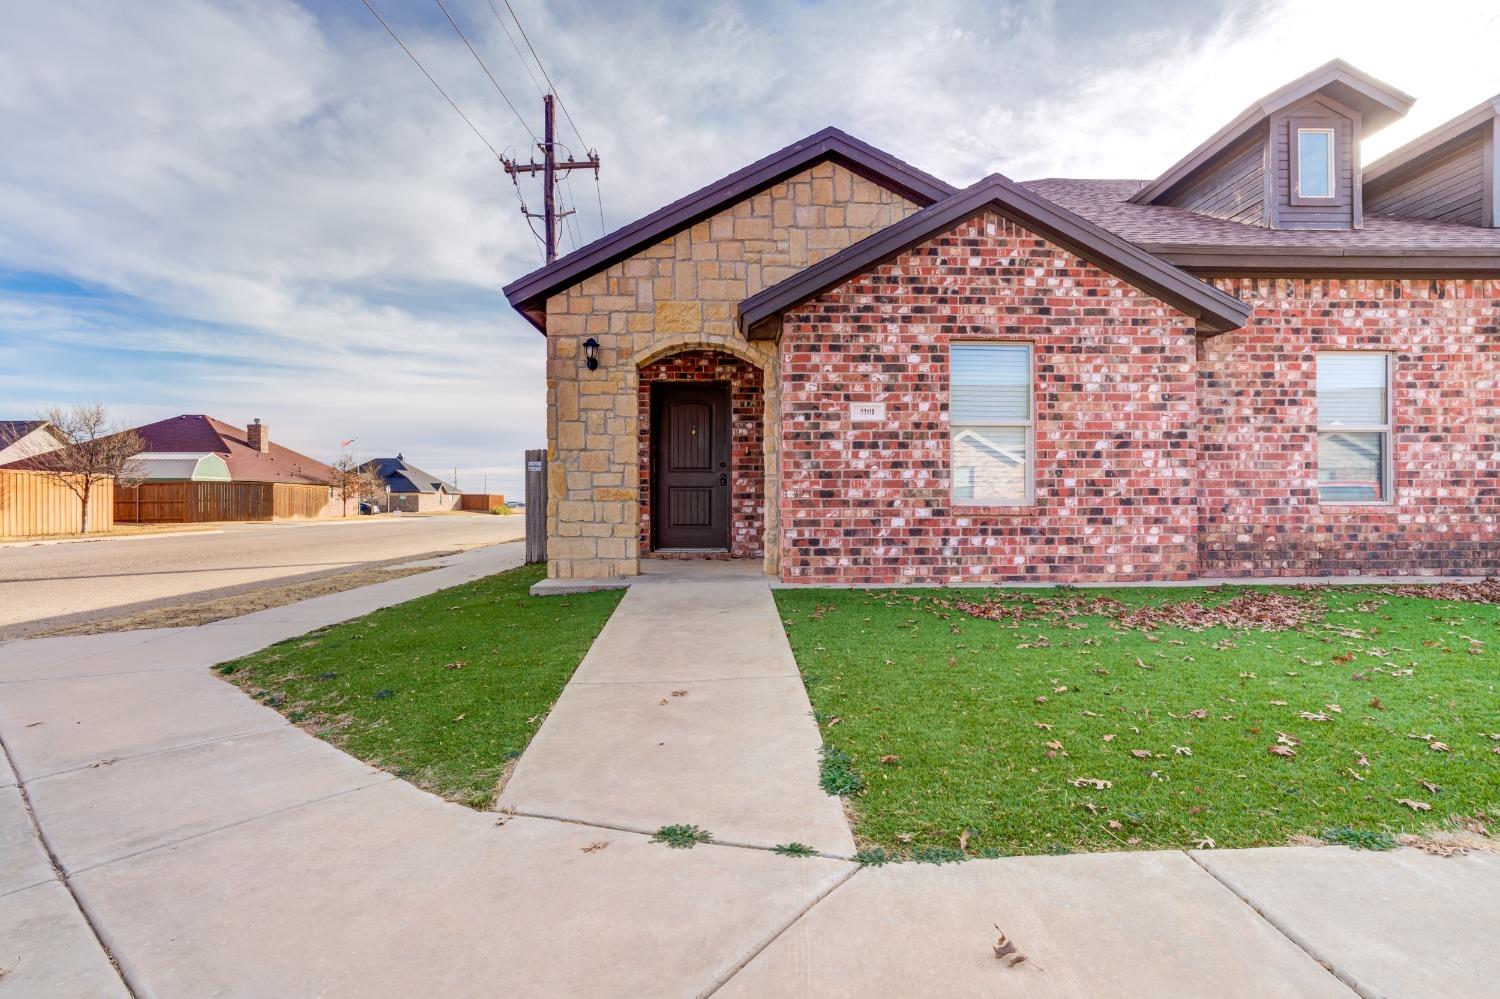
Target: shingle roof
1186, 238
199, 433
529, 294
402, 477
1214, 310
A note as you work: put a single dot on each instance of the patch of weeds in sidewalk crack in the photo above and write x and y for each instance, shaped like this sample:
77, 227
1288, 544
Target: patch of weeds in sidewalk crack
1359, 839
794, 850
836, 773
874, 856
938, 855
681, 837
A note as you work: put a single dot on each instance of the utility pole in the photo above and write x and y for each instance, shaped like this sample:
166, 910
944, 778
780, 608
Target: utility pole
549, 168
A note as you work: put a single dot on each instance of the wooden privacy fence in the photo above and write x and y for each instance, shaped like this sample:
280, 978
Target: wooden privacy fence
32, 504
483, 502
203, 502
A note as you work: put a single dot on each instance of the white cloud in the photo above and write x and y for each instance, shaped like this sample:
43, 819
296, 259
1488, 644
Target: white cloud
282, 219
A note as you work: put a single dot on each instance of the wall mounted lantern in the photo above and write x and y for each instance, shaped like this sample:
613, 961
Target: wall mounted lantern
591, 353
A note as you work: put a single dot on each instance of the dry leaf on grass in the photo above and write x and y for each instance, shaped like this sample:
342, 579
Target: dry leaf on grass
1206, 843
1199, 713
1313, 716
1282, 750
1141, 754
1438, 747
1282, 739
1093, 782
889, 758
1431, 787
1416, 806
1182, 751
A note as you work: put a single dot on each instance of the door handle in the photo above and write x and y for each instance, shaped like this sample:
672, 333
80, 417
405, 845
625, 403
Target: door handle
723, 479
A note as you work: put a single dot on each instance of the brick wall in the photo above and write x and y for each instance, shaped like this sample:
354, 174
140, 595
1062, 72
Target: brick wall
1257, 387
1115, 403
747, 453
678, 294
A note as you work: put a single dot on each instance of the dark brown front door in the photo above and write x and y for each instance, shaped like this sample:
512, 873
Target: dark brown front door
690, 490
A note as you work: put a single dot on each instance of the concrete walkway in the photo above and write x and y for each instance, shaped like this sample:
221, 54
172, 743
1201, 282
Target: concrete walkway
162, 834
688, 709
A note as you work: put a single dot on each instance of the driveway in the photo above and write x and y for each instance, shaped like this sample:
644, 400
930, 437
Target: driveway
44, 586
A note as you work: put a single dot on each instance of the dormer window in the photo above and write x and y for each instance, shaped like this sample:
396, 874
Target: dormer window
1314, 161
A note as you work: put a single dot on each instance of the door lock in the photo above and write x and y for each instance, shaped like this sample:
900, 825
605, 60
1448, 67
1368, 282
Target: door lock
723, 479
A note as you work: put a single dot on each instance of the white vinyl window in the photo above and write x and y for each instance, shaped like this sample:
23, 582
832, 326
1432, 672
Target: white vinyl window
1354, 428
990, 423
1315, 162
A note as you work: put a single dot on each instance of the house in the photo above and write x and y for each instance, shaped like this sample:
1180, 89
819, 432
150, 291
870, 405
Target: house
411, 490
1269, 360
197, 468
21, 439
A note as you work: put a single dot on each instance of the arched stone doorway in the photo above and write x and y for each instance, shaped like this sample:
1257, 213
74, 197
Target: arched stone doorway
690, 479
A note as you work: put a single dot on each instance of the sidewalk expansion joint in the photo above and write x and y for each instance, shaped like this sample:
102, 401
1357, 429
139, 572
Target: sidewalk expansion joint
1294, 938
742, 965
504, 812
383, 778
111, 761
61, 875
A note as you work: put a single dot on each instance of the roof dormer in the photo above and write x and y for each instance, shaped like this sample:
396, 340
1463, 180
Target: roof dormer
1291, 159
1451, 174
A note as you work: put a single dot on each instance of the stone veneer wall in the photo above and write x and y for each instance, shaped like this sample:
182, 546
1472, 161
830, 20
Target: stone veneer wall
1257, 390
747, 505
1115, 411
679, 294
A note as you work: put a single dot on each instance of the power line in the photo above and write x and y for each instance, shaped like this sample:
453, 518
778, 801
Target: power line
598, 190
527, 128
539, 66
519, 55
440, 90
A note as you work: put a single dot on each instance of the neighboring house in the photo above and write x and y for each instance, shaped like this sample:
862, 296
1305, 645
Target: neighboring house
1269, 360
197, 468
411, 490
26, 438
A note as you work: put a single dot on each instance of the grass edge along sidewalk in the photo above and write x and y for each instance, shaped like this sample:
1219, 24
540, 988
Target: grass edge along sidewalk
446, 690
1068, 720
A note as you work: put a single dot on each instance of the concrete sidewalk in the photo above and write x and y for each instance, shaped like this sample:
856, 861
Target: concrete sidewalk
688, 709
162, 834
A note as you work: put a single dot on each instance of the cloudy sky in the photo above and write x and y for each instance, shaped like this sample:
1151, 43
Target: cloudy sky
263, 209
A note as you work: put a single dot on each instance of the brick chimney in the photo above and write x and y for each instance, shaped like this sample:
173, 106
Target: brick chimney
259, 436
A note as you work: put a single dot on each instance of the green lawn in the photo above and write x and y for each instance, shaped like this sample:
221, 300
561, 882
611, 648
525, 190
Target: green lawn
1068, 725
445, 690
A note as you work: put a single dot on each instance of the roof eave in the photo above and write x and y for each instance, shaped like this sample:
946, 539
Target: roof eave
1212, 310
528, 294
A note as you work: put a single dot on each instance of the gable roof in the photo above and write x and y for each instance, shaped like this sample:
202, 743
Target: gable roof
1213, 310
1414, 153
197, 433
403, 477
1378, 103
528, 295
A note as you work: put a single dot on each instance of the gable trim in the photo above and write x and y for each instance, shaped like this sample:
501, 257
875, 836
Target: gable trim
1212, 310
528, 295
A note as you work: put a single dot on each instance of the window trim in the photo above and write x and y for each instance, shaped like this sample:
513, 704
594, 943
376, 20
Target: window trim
1297, 126
1386, 429
1029, 424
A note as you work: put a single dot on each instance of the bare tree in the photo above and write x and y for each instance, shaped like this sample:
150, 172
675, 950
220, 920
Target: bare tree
94, 450
348, 480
